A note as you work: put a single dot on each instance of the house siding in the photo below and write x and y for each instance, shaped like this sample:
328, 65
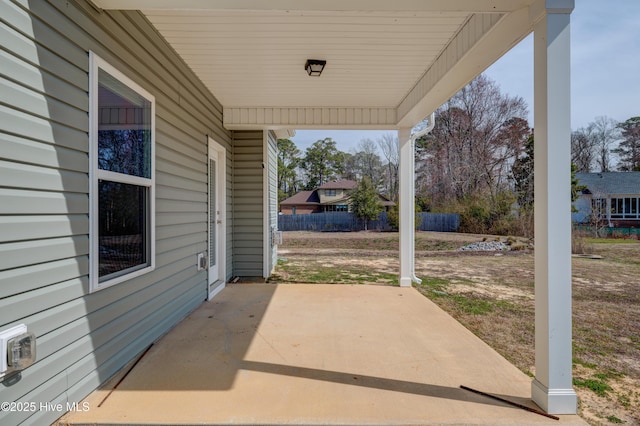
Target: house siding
248, 202
84, 338
300, 209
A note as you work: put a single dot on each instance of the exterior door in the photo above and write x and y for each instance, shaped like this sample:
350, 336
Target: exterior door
217, 222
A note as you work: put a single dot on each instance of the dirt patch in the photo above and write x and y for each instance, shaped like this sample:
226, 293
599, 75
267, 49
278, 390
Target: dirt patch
373, 241
492, 294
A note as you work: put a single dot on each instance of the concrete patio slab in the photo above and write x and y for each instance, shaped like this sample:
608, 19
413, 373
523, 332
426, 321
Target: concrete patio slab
317, 355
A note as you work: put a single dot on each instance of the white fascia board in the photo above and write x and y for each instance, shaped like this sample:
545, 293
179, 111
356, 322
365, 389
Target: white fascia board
475, 52
472, 6
284, 133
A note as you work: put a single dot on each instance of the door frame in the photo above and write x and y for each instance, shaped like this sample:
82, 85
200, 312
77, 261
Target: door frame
217, 150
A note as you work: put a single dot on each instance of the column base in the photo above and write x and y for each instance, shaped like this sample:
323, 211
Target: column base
554, 401
406, 282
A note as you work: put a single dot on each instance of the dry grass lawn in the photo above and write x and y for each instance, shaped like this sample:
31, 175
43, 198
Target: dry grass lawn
493, 295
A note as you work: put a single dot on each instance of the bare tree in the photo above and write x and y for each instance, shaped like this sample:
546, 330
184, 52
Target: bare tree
478, 134
583, 149
606, 133
364, 162
511, 141
597, 212
390, 147
370, 162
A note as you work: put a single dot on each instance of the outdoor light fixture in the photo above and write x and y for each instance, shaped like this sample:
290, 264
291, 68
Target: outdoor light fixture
314, 67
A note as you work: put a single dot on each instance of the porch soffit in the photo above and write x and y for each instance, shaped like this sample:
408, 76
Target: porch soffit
389, 63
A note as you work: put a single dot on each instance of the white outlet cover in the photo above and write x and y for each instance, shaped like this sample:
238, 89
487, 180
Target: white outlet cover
201, 265
5, 336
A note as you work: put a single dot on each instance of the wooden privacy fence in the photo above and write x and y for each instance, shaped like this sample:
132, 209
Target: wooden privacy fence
442, 222
343, 221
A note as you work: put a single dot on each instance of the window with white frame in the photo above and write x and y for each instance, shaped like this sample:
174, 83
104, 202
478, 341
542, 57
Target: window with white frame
625, 208
122, 151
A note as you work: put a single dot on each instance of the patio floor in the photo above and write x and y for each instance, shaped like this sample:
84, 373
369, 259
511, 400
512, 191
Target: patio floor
317, 354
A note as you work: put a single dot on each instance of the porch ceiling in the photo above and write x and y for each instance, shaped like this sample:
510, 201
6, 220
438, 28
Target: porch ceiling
389, 64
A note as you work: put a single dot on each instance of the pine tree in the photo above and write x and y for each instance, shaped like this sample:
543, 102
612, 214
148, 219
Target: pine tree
522, 172
322, 163
288, 161
629, 147
365, 201
576, 188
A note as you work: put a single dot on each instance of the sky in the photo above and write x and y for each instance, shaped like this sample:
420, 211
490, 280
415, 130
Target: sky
605, 70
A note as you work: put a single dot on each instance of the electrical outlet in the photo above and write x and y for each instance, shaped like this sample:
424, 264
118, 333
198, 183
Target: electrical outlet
17, 349
21, 351
202, 262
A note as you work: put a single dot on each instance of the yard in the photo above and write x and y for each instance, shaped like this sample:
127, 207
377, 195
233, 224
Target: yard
492, 294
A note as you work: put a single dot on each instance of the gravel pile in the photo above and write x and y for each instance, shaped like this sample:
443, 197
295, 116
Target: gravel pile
485, 246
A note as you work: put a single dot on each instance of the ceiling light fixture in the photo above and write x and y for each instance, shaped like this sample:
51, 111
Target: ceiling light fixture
314, 67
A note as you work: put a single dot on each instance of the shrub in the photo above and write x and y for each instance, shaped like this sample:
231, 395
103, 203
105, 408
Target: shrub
487, 214
393, 219
579, 243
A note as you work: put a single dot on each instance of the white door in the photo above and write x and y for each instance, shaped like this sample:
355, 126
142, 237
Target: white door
217, 211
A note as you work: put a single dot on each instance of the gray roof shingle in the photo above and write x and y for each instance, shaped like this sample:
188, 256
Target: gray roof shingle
610, 183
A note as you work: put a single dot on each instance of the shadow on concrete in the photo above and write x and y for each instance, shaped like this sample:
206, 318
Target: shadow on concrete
403, 386
317, 354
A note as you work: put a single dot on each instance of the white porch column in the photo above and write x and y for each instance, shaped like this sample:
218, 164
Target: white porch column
552, 388
406, 214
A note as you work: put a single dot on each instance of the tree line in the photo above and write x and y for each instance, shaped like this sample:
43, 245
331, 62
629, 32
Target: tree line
605, 145
477, 161
323, 162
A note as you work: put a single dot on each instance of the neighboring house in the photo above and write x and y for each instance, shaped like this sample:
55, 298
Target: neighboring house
330, 197
304, 202
611, 198
138, 157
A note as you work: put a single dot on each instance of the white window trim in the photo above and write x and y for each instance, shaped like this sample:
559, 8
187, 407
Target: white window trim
95, 174
622, 215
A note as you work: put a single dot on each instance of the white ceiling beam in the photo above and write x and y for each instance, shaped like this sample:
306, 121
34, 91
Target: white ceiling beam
473, 6
478, 45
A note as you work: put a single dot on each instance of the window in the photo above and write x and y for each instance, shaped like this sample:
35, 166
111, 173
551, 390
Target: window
122, 138
330, 192
625, 208
616, 208
336, 208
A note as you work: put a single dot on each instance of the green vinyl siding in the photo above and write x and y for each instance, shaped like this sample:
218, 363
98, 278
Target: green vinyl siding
248, 210
83, 338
